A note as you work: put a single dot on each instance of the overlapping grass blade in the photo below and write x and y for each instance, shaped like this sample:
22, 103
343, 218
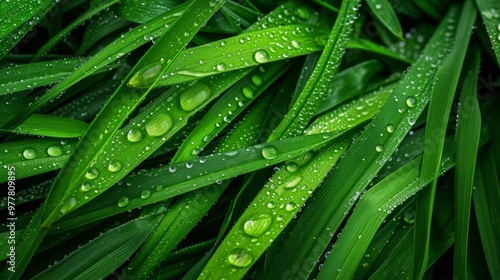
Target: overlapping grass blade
314, 91
490, 13
383, 11
367, 45
443, 92
106, 253
485, 196
467, 142
15, 13
325, 211
81, 19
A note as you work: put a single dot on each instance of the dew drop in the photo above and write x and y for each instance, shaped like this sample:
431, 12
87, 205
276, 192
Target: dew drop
145, 76
379, 148
92, 173
292, 183
115, 166
221, 67
159, 124
69, 205
411, 121
290, 206
29, 154
145, 194
195, 96
257, 80
296, 44
257, 225
411, 101
390, 128
303, 13
270, 152
292, 166
247, 92
54, 151
261, 56
134, 135
86, 186
271, 204
240, 257
409, 215
172, 168
123, 202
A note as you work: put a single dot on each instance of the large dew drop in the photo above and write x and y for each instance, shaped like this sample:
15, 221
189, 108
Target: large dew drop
145, 76
69, 205
92, 173
115, 166
86, 186
29, 154
240, 257
293, 182
270, 152
159, 124
257, 225
54, 151
411, 101
195, 96
123, 202
261, 56
134, 135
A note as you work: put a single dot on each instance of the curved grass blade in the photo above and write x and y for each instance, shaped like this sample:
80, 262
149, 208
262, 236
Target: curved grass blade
176, 179
383, 11
81, 19
490, 12
325, 211
106, 253
32, 157
228, 107
467, 142
143, 11
51, 126
366, 45
314, 91
16, 78
437, 119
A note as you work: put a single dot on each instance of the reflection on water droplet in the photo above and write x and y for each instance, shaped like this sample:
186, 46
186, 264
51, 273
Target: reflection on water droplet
159, 124
145, 76
411, 121
240, 257
290, 206
29, 154
134, 135
92, 173
409, 216
292, 166
261, 56
270, 152
293, 182
221, 67
145, 194
195, 96
123, 202
257, 225
69, 205
303, 13
54, 151
390, 128
115, 166
296, 44
271, 204
86, 186
379, 148
257, 80
411, 101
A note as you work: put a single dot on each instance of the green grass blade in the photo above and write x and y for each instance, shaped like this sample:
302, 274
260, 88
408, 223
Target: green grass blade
15, 13
490, 13
37, 156
16, 78
313, 92
104, 254
362, 161
486, 195
52, 126
366, 45
80, 20
437, 120
467, 141
384, 12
